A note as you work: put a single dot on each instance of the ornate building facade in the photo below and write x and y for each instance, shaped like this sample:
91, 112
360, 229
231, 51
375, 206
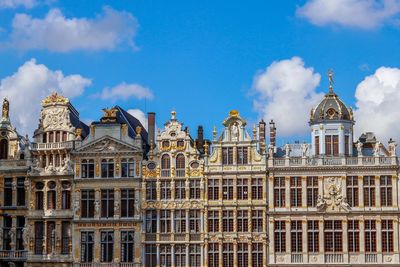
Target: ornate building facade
173, 206
236, 199
107, 192
332, 203
115, 195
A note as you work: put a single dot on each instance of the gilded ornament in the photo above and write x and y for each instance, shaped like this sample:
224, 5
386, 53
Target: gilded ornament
6, 109
78, 132
77, 170
97, 169
55, 98
124, 129
138, 130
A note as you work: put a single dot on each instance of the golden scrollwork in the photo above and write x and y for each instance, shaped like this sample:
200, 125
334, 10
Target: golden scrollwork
55, 98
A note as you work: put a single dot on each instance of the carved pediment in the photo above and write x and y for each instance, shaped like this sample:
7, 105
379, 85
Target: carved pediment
107, 144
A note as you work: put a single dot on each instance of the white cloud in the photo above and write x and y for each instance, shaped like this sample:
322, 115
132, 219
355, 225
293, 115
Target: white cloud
377, 100
364, 14
29, 85
286, 93
17, 3
124, 91
140, 115
57, 33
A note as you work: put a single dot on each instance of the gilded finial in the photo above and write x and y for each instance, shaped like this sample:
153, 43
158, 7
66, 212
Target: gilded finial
331, 81
6, 109
254, 132
173, 115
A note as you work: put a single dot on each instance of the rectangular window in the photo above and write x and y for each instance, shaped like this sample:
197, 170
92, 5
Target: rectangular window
295, 191
242, 155
316, 145
227, 220
279, 192
386, 190
151, 190
165, 221
243, 254
20, 191
151, 255
213, 255
227, 254
352, 190
66, 199
127, 203
332, 145
127, 168
296, 236
313, 236
227, 189
7, 224
333, 236
51, 237
107, 168
151, 221
165, 190
180, 190
346, 145
353, 235
257, 220
180, 255
87, 203
213, 221
257, 255
227, 155
312, 191
165, 255
328, 145
7, 192
51, 199
242, 221
180, 221
19, 242
335, 143
242, 188
194, 256
213, 189
194, 190
127, 246
369, 191
107, 203
65, 237
194, 221
387, 235
370, 235
87, 168
39, 200
87, 246
280, 236
107, 246
256, 188
39, 235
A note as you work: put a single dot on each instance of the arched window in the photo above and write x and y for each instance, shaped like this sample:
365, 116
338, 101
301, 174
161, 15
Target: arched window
107, 168
39, 196
65, 195
3, 149
165, 166
180, 165
22, 156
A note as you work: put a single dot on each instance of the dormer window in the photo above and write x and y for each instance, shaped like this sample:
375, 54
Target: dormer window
180, 143
107, 168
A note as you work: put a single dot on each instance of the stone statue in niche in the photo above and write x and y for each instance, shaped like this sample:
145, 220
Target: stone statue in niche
234, 131
392, 147
66, 166
97, 207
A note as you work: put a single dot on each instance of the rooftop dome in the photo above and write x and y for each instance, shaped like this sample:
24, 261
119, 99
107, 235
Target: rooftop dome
331, 108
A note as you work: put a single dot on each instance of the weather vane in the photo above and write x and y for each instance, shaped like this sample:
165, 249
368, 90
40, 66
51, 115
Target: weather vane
331, 81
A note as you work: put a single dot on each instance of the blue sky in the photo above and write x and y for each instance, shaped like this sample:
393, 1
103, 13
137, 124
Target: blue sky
202, 57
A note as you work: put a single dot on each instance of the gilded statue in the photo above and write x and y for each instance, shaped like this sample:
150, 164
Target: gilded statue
6, 109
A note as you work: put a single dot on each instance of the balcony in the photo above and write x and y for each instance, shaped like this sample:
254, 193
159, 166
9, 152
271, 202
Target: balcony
13, 255
52, 146
332, 161
333, 257
371, 258
297, 258
109, 264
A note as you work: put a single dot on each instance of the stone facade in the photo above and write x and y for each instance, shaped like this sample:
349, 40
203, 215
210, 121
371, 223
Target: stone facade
113, 194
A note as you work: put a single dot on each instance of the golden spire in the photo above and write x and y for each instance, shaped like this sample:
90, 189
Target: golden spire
331, 81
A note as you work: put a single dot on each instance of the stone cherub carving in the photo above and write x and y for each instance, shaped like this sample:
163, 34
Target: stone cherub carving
333, 198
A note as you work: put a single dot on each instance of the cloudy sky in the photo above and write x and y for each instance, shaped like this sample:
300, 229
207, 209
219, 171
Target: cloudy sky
268, 59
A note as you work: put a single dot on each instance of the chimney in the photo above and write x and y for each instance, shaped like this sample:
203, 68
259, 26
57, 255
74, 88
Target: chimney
151, 124
261, 131
200, 137
272, 133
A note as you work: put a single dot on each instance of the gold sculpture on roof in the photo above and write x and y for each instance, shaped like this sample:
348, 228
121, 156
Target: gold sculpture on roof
233, 113
331, 81
110, 115
6, 109
55, 98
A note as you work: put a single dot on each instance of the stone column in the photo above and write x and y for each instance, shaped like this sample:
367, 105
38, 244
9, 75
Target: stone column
362, 235
304, 191
379, 235
249, 251
187, 263
117, 243
321, 236
345, 240
271, 193
321, 140
1, 230
287, 192
158, 255
287, 228
235, 257
341, 140
220, 255
271, 246
97, 249
14, 191
360, 191
377, 191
